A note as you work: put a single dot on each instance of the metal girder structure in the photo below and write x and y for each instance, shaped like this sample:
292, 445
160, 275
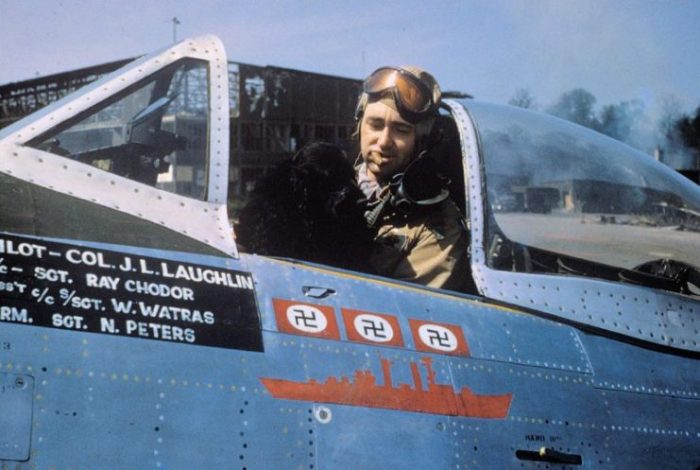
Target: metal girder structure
274, 111
19, 99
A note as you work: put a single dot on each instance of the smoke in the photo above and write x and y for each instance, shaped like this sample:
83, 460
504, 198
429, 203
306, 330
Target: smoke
653, 130
670, 142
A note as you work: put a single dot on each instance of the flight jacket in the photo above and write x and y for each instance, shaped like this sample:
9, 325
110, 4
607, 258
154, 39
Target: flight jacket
427, 245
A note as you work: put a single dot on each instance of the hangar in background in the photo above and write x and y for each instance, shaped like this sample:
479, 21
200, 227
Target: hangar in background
274, 111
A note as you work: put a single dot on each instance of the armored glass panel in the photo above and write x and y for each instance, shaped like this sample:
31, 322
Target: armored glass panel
560, 187
154, 132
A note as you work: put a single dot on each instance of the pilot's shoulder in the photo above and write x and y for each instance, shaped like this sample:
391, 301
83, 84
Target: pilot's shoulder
446, 221
445, 212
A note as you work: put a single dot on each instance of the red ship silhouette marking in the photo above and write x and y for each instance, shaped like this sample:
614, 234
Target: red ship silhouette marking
364, 391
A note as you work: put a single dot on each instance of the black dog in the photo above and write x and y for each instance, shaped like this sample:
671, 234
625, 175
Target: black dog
309, 208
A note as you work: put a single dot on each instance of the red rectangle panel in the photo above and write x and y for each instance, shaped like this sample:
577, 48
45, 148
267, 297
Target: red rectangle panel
439, 337
372, 328
300, 318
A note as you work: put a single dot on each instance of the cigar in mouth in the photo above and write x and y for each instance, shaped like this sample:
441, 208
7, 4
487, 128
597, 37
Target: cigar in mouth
377, 159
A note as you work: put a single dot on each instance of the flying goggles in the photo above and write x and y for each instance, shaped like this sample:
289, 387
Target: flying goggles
413, 98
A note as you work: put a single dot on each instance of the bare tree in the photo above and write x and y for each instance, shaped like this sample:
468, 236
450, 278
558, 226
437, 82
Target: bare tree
523, 99
577, 106
619, 120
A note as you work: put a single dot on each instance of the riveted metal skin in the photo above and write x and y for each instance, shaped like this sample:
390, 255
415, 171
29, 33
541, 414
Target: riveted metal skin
128, 352
641, 313
473, 184
204, 221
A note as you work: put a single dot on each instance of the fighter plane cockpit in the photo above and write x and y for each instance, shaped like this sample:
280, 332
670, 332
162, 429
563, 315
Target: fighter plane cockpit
562, 199
139, 157
131, 315
580, 226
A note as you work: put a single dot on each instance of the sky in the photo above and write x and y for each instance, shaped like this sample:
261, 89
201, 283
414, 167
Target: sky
618, 50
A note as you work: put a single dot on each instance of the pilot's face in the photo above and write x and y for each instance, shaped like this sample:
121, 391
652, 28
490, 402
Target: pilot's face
387, 141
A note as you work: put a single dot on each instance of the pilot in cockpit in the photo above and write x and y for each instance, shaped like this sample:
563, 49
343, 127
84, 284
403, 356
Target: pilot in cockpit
421, 235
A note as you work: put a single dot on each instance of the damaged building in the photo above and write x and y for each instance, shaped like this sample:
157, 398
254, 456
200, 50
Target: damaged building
274, 111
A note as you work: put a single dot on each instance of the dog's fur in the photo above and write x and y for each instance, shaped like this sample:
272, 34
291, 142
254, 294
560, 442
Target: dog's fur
309, 208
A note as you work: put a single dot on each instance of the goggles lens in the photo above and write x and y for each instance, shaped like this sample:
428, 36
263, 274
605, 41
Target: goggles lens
409, 92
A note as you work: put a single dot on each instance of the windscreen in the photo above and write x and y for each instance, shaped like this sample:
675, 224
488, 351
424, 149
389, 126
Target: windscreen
562, 188
154, 132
